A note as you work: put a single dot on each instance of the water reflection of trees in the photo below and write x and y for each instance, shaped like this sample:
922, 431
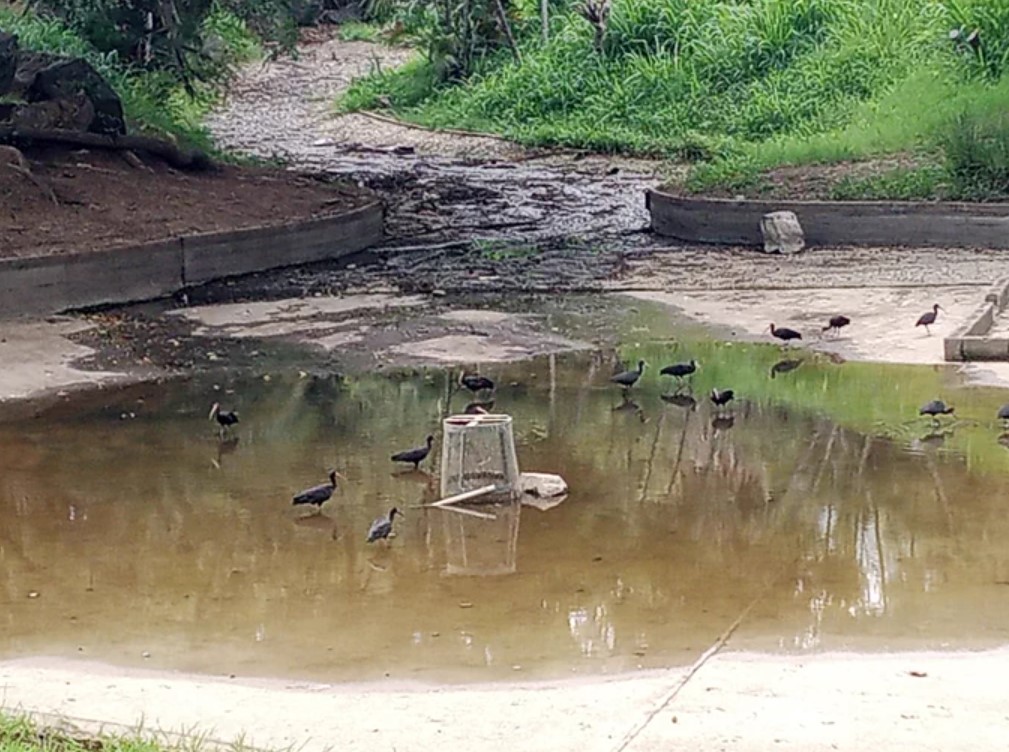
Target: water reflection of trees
673, 526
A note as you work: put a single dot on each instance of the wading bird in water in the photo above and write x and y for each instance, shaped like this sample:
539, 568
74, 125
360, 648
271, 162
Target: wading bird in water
318, 495
416, 456
934, 409
381, 528
475, 383
224, 419
627, 379
927, 319
679, 370
784, 334
1003, 413
720, 398
836, 324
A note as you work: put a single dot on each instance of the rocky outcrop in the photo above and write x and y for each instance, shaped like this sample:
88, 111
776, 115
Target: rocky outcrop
56, 92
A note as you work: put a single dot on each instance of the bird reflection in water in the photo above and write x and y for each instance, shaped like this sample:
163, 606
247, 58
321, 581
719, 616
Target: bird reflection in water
686, 401
935, 438
224, 446
723, 422
628, 405
479, 408
784, 366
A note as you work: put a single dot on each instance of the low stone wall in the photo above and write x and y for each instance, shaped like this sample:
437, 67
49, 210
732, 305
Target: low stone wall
48, 284
872, 223
972, 341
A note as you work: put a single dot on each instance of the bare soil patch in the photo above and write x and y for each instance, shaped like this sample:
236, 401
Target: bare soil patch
82, 200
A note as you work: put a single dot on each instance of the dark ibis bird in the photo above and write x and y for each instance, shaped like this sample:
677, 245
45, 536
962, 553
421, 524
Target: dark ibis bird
381, 528
836, 324
927, 319
680, 370
934, 409
721, 397
784, 366
627, 379
784, 334
224, 419
415, 456
476, 383
1003, 412
317, 495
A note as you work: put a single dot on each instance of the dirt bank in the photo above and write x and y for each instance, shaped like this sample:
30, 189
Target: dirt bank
90, 200
739, 701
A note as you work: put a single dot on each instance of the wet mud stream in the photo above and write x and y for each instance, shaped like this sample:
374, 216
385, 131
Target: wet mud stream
132, 534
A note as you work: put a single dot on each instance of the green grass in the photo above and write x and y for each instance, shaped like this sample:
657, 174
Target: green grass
736, 86
18, 733
359, 31
154, 102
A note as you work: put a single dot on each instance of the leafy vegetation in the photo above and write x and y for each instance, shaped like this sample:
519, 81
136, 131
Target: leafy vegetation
18, 734
167, 75
737, 86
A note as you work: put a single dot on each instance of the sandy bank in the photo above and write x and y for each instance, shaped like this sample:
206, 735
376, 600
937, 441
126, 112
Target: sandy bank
738, 701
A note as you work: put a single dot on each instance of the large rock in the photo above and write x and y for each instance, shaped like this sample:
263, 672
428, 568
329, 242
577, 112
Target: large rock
49, 77
782, 232
8, 60
71, 114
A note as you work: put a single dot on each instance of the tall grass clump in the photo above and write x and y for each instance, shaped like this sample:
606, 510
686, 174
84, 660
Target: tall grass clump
691, 79
976, 150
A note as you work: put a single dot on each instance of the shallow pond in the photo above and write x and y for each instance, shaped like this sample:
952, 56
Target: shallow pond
822, 510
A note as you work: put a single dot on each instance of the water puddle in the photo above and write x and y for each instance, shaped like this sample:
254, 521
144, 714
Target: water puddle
132, 534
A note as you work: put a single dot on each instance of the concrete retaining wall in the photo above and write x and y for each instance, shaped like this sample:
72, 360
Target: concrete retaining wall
48, 284
972, 340
875, 223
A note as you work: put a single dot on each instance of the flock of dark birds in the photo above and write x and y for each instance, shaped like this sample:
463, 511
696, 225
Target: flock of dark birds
316, 496
382, 528
722, 397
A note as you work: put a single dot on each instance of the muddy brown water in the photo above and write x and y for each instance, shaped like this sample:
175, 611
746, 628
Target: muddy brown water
131, 534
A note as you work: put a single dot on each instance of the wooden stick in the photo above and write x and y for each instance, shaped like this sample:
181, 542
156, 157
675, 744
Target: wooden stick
470, 512
465, 495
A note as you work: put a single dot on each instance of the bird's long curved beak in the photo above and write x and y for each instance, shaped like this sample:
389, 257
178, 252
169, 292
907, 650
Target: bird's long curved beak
942, 309
341, 476
213, 411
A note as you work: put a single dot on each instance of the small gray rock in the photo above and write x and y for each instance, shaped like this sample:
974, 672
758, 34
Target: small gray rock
782, 232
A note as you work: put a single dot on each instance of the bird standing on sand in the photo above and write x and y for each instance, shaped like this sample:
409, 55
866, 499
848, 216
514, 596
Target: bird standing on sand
224, 419
381, 528
416, 456
934, 409
318, 495
720, 398
679, 370
784, 334
836, 324
627, 379
475, 383
927, 319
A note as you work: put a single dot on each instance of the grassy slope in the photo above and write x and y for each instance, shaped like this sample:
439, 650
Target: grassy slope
737, 85
153, 102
